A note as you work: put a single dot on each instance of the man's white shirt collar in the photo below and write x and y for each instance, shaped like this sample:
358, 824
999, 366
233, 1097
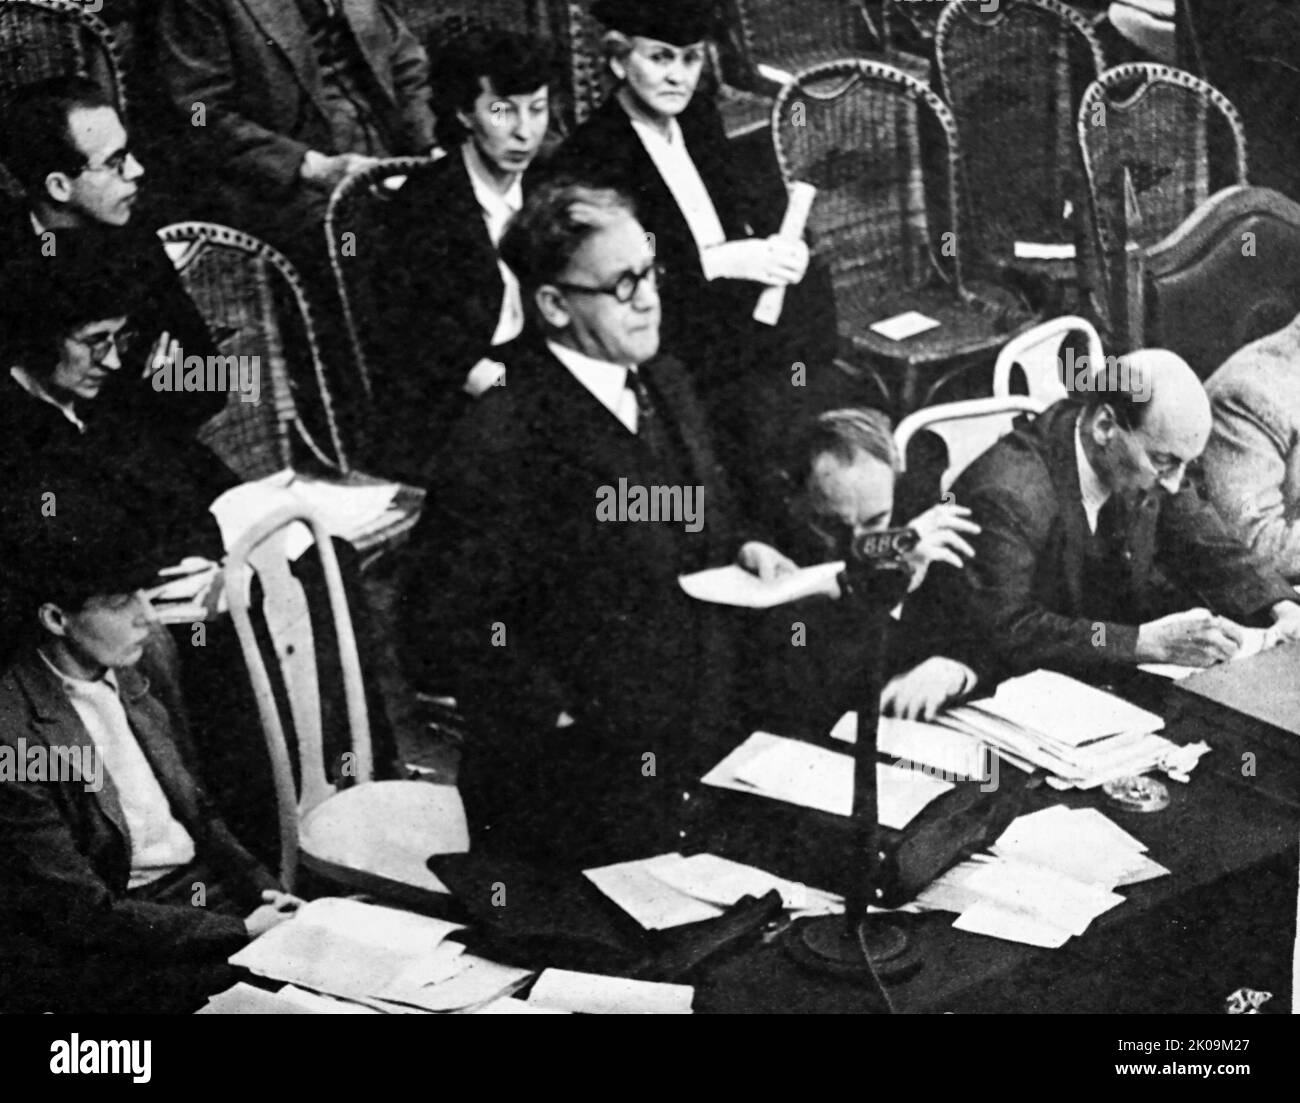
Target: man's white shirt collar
1091, 488
606, 381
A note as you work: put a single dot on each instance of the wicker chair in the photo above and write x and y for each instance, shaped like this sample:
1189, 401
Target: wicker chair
1178, 140
880, 148
430, 20
254, 304
785, 37
40, 39
356, 216
1013, 80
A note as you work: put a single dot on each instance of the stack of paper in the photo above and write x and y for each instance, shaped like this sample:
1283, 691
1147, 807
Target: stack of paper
1050, 874
670, 890
951, 754
1081, 735
591, 994
387, 959
345, 511
800, 773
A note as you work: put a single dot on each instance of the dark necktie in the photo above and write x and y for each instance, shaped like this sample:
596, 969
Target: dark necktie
649, 425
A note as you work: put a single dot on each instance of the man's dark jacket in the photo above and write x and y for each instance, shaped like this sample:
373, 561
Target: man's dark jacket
1022, 602
65, 857
525, 604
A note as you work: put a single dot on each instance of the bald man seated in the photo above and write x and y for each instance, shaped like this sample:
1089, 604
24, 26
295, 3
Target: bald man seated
1094, 551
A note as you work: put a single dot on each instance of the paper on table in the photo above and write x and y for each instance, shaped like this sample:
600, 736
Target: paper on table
1037, 250
734, 585
651, 901
772, 300
902, 326
513, 1005
315, 1003
1256, 640
721, 881
600, 995
479, 981
813, 777
988, 918
954, 754
244, 999
1054, 897
1067, 710
343, 947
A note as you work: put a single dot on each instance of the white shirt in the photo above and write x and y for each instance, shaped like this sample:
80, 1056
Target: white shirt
1091, 488
29, 383
159, 842
497, 210
674, 163
606, 381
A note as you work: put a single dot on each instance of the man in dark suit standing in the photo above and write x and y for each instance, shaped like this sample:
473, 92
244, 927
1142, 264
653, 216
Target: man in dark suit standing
1091, 534
447, 300
544, 584
120, 888
284, 98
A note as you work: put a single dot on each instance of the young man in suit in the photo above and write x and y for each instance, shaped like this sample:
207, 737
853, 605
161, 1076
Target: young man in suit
64, 143
282, 99
448, 301
598, 692
120, 888
1094, 546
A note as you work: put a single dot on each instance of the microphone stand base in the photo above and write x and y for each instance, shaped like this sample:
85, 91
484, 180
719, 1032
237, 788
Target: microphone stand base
826, 945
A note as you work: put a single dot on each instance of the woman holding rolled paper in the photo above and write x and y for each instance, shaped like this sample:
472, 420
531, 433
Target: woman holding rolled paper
662, 143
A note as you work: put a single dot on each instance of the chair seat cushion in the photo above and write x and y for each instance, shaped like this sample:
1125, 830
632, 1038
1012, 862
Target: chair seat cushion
389, 829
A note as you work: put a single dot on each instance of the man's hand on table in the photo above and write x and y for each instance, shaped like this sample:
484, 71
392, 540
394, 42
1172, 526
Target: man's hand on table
275, 909
924, 691
1194, 638
1286, 621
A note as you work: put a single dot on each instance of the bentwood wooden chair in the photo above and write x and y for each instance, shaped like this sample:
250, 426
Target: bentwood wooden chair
880, 147
255, 306
42, 39
1173, 137
370, 836
1013, 79
968, 429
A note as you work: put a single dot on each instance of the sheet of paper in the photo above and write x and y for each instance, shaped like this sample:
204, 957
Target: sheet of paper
734, 585
814, 777
512, 1005
988, 918
1053, 897
648, 899
902, 326
593, 994
952, 753
315, 1003
343, 947
720, 881
1065, 709
478, 982
1037, 250
244, 999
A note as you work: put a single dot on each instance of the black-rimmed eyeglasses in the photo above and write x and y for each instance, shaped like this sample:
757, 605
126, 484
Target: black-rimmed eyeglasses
624, 289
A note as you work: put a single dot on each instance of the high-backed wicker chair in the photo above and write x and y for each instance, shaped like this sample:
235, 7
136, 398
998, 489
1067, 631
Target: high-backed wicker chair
880, 148
783, 37
429, 20
1225, 277
254, 304
1178, 138
1013, 79
40, 39
372, 836
356, 232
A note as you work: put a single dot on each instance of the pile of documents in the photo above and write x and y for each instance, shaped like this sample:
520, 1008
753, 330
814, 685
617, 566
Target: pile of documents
813, 777
1082, 736
1048, 876
385, 959
670, 890
346, 510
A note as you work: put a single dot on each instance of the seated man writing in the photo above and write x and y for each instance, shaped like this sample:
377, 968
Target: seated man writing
120, 889
1095, 552
543, 587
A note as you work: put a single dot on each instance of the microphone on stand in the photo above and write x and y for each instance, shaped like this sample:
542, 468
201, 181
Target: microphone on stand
860, 946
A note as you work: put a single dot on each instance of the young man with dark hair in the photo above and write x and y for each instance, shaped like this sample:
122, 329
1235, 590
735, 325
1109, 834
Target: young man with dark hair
63, 141
120, 888
448, 300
